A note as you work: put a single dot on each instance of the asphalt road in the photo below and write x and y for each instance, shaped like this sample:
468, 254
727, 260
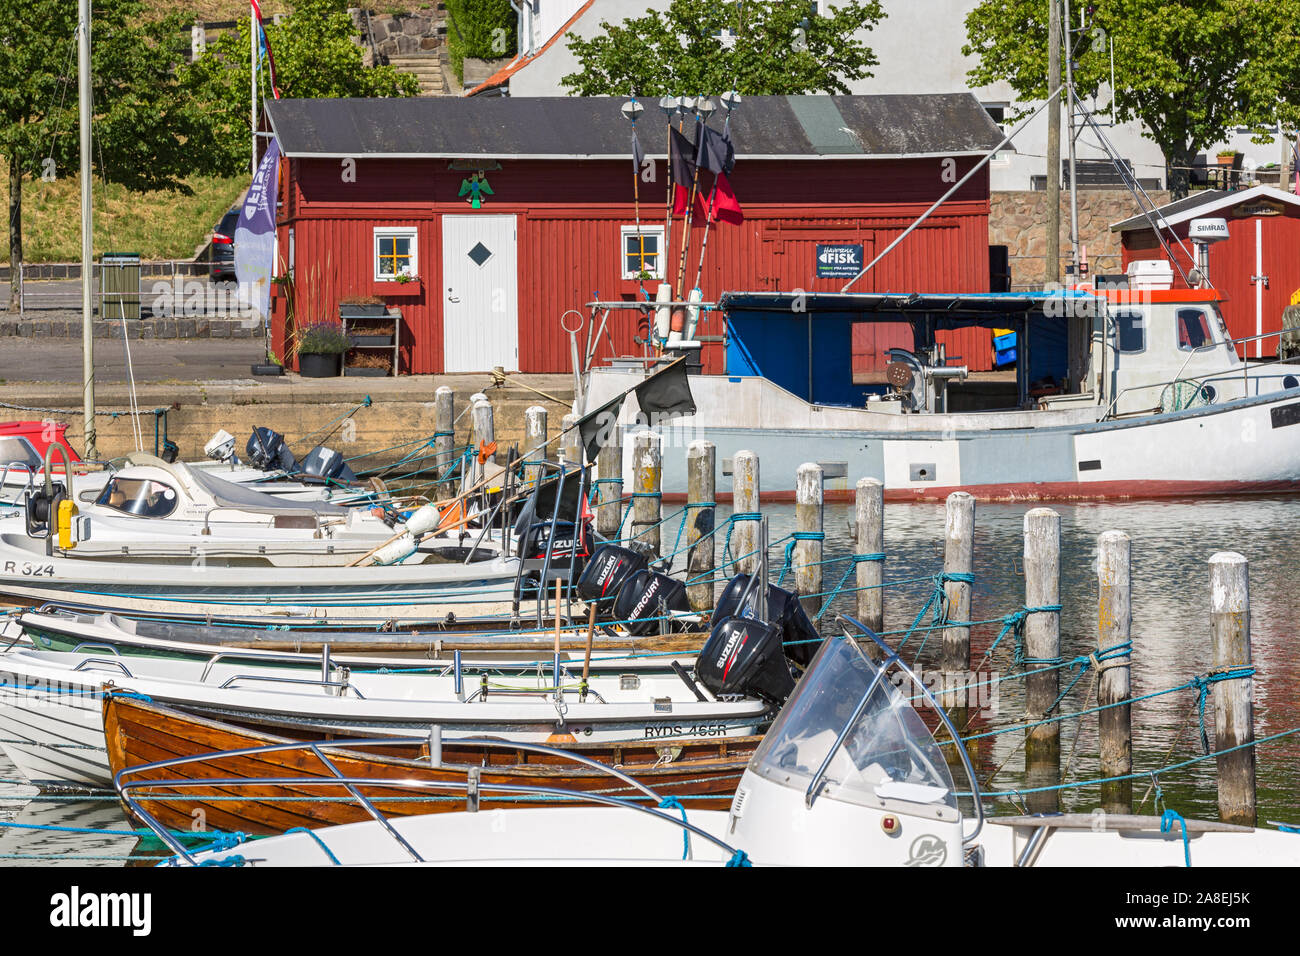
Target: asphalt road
154, 360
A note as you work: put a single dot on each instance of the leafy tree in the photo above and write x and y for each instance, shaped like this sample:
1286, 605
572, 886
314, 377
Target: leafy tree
1189, 70
141, 118
315, 56
478, 28
770, 47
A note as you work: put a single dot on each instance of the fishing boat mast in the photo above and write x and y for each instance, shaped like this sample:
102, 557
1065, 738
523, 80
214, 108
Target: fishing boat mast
87, 234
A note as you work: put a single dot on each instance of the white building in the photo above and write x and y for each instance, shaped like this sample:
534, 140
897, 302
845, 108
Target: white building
918, 45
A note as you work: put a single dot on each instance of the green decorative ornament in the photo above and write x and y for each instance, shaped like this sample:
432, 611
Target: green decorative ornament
476, 187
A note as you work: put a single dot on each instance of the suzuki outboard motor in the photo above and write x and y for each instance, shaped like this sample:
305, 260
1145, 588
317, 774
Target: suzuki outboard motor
783, 609
266, 450
606, 572
322, 462
745, 657
646, 599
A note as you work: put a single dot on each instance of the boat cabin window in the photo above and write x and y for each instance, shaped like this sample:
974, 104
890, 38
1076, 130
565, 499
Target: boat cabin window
138, 496
1193, 330
887, 755
1131, 330
15, 451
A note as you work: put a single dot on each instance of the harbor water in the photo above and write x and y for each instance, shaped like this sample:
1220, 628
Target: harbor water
1172, 542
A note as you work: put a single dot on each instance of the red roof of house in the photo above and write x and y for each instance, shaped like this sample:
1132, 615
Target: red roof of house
513, 67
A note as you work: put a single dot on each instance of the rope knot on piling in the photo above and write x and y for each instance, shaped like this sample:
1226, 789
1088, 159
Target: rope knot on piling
1202, 686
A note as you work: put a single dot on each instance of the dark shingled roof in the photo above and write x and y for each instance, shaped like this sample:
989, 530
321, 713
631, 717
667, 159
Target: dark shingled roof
571, 127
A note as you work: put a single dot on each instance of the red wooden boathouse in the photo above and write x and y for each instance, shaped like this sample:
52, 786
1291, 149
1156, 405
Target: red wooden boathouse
376, 191
1256, 269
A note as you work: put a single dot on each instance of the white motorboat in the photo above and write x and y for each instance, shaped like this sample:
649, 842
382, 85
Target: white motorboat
52, 725
1160, 404
847, 775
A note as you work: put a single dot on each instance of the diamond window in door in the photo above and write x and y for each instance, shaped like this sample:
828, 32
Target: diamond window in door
480, 254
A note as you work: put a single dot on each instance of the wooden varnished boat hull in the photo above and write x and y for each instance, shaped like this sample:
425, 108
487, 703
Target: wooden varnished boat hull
700, 772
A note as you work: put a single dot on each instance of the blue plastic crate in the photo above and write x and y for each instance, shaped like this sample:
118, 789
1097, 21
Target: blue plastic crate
1004, 356
1003, 343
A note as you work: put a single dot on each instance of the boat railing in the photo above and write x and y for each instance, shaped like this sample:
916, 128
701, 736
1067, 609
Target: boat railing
134, 793
1212, 377
892, 659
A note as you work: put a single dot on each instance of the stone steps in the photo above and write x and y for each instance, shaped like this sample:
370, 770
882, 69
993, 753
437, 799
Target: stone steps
425, 67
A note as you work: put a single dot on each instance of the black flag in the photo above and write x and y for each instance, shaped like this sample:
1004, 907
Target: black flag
716, 153
638, 154
597, 428
667, 391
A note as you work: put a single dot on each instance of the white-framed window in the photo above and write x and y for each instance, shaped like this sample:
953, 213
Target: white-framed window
642, 252
396, 252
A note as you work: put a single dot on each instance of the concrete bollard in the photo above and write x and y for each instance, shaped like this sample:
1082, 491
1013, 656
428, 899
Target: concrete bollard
1114, 630
484, 429
1234, 699
570, 444
701, 493
647, 476
534, 440
809, 522
609, 465
869, 538
958, 559
444, 439
1042, 643
744, 500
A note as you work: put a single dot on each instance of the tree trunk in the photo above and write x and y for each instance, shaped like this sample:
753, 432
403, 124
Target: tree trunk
15, 227
1178, 171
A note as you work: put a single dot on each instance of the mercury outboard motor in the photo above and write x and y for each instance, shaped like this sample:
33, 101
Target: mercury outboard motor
322, 462
606, 572
783, 609
745, 657
266, 450
646, 599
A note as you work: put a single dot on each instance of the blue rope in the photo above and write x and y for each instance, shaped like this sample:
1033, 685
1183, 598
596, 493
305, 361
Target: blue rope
1167, 824
233, 860
1202, 685
795, 538
739, 858
672, 803
319, 842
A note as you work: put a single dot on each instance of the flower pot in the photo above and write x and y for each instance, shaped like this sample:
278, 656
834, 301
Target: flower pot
316, 365
371, 340
1226, 160
368, 372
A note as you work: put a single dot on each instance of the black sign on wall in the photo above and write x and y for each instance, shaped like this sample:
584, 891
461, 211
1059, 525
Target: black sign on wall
839, 260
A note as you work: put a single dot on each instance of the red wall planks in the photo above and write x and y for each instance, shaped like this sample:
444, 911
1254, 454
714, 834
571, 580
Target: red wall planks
568, 219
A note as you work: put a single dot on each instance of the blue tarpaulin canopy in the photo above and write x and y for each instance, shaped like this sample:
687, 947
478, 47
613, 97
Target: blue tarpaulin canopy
803, 341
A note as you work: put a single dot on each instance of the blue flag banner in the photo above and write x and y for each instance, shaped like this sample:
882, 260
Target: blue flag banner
255, 236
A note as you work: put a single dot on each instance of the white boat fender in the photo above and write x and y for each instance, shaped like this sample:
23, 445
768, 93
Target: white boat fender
395, 551
423, 520
692, 314
663, 313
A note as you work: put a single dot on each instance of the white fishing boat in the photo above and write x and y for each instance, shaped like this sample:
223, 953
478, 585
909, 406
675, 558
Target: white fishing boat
1160, 405
52, 726
848, 775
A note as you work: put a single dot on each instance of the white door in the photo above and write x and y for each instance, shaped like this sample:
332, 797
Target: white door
480, 312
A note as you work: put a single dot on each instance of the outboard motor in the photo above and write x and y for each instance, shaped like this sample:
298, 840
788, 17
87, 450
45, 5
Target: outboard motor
646, 599
783, 609
326, 463
606, 572
745, 657
535, 540
266, 450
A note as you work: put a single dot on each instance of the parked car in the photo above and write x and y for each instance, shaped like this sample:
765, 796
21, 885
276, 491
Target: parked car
223, 248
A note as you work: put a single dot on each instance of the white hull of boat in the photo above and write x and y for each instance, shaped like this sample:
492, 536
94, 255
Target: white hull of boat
50, 707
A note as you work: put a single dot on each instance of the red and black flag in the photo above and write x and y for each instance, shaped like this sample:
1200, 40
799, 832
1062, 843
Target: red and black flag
717, 154
681, 153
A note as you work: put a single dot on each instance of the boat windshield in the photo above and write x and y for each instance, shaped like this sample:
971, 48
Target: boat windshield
888, 754
138, 496
16, 451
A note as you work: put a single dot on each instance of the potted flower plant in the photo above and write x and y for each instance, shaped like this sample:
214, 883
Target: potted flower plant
1226, 157
319, 347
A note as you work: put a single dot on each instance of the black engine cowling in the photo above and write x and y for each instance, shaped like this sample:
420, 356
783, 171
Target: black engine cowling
605, 573
784, 610
645, 600
745, 657
322, 462
267, 451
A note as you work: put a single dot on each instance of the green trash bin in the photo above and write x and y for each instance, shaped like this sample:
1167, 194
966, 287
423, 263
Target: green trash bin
119, 285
